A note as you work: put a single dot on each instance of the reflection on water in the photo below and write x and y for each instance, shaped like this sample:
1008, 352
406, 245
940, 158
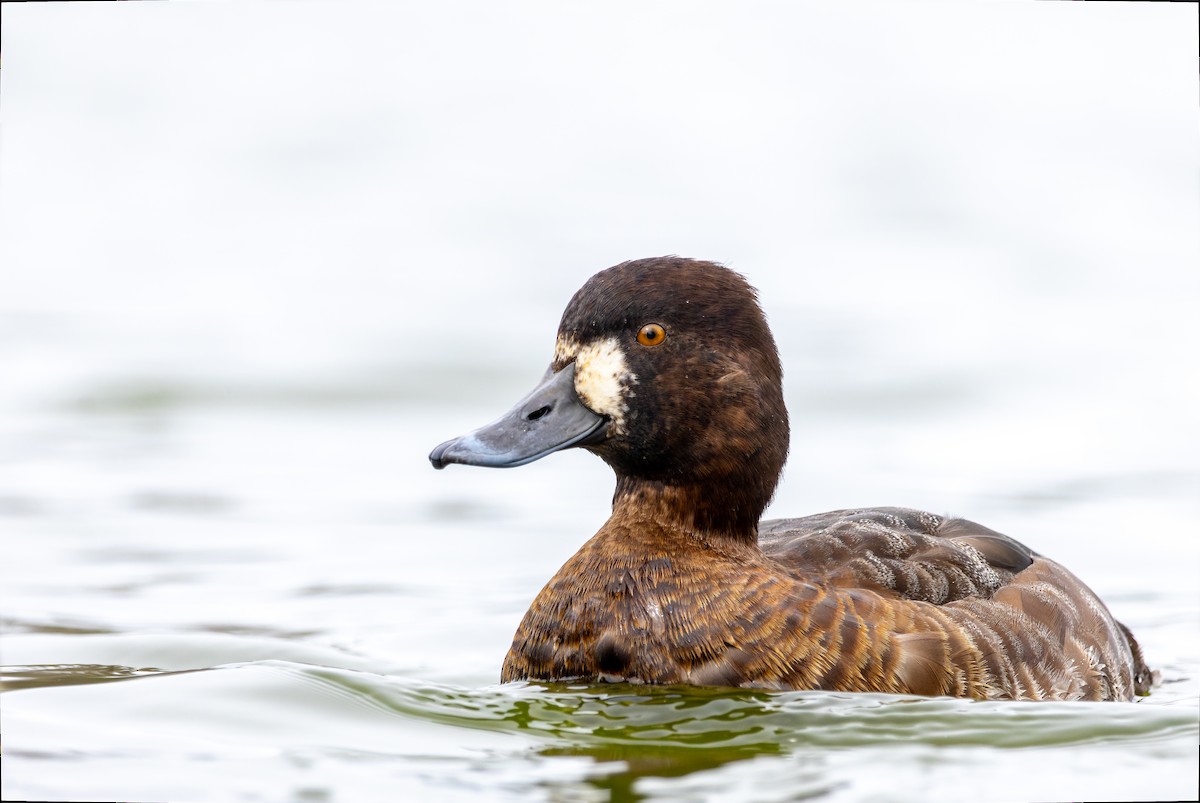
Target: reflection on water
626, 717
13, 678
629, 734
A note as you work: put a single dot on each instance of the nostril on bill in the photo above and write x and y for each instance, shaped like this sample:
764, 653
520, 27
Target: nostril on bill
538, 413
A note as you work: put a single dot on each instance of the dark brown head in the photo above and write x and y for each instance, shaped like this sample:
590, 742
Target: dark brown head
666, 369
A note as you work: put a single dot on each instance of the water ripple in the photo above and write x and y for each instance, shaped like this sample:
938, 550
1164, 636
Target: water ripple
757, 721
562, 741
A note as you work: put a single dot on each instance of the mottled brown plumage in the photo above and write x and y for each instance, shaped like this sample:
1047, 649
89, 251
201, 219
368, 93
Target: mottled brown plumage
684, 585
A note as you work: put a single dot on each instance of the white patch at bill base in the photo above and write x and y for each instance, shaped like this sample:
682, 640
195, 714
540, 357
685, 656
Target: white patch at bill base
601, 376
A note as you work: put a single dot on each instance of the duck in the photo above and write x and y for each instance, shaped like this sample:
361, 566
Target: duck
666, 369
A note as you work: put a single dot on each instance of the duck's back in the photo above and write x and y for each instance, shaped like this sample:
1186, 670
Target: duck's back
1015, 624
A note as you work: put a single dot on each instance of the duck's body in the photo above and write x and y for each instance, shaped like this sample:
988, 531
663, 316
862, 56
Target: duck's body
665, 368
886, 599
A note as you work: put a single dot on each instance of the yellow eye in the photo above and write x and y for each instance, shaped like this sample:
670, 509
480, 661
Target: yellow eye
651, 335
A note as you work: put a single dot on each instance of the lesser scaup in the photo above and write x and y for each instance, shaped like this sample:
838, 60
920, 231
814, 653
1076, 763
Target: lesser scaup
666, 369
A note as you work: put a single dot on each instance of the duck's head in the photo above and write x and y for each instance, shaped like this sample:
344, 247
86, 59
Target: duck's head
666, 369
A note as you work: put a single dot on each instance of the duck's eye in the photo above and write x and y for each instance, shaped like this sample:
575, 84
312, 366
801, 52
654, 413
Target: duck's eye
651, 335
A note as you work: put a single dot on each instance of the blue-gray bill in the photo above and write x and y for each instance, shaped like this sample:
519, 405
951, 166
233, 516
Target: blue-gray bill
549, 419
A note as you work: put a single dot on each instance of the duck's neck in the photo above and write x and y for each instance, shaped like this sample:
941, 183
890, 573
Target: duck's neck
700, 512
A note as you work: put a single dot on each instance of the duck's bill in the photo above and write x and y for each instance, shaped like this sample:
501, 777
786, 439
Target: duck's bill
549, 419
